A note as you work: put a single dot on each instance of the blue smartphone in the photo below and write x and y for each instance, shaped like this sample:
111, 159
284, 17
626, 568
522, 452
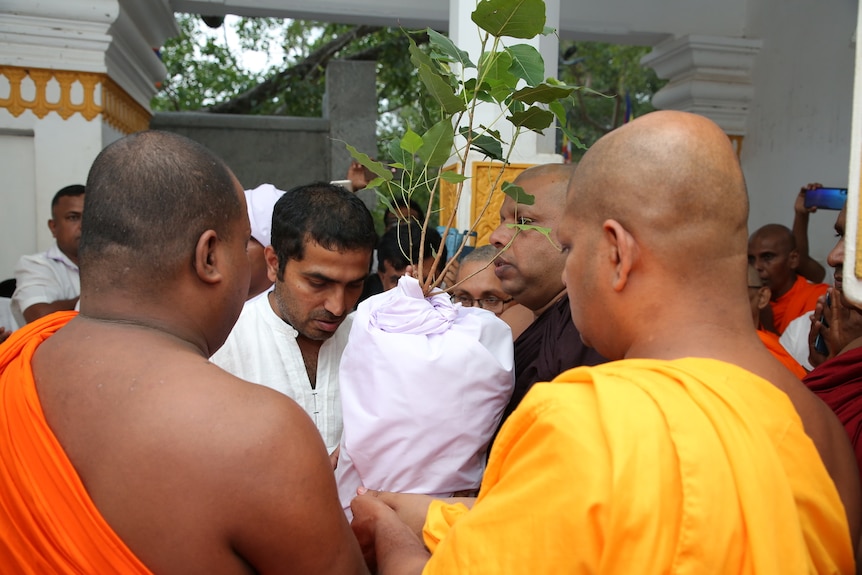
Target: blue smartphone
826, 198
819, 341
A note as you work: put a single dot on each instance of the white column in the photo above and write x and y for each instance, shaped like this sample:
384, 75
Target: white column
530, 148
709, 75
74, 76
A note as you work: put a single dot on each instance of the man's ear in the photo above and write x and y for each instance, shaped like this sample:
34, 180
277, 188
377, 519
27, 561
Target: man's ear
623, 252
764, 294
793, 259
52, 226
207, 257
271, 263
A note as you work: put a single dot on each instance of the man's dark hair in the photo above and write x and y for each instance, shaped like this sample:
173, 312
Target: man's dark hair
149, 198
402, 203
323, 213
69, 191
400, 246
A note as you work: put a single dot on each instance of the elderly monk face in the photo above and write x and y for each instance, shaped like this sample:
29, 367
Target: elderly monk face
478, 285
770, 251
836, 259
530, 264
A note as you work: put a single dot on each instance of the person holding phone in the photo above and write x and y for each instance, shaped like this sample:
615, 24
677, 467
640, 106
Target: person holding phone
837, 379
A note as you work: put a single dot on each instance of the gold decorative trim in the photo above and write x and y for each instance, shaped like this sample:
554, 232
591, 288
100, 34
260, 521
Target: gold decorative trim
486, 198
117, 108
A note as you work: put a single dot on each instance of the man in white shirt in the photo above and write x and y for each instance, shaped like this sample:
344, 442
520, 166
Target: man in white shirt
292, 339
49, 281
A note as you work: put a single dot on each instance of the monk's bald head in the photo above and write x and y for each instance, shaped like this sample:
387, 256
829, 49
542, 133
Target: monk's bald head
674, 181
554, 177
778, 234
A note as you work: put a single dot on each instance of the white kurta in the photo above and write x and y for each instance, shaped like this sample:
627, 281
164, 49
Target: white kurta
262, 349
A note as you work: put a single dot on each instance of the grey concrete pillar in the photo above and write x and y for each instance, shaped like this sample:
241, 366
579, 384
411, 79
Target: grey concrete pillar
350, 106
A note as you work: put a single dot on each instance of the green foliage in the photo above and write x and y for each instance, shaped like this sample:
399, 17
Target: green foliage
499, 79
608, 73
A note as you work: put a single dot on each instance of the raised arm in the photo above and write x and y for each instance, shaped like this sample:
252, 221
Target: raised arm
808, 268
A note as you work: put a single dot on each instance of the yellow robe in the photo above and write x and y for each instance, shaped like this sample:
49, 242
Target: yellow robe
649, 467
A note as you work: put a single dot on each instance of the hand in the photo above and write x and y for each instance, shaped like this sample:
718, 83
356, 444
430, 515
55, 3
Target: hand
799, 206
358, 176
4, 334
368, 511
844, 326
333, 457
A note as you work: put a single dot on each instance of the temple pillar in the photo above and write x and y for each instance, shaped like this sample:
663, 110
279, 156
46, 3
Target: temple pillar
75, 75
708, 75
479, 205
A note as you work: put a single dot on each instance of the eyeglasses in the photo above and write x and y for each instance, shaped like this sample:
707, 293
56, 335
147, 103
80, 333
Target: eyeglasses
493, 304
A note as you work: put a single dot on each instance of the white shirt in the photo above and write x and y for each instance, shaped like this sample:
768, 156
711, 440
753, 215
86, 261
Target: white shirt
44, 278
262, 349
794, 339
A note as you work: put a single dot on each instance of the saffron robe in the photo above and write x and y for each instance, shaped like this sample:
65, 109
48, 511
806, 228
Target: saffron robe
48, 523
838, 382
772, 343
801, 299
649, 467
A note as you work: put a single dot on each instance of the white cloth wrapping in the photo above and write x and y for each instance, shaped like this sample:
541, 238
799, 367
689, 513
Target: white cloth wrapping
424, 383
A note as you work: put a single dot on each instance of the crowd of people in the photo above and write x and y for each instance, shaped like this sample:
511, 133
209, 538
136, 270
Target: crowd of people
179, 408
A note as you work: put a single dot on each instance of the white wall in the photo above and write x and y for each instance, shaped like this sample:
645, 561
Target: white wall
799, 126
37, 158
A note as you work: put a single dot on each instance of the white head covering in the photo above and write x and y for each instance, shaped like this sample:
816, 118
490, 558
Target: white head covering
261, 201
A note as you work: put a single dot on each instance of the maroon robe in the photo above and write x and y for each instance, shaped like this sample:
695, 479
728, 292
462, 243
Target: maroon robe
838, 382
547, 348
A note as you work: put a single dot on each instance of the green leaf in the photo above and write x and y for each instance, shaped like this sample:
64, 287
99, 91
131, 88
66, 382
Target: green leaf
527, 64
533, 118
452, 177
441, 91
547, 31
443, 46
437, 144
411, 142
401, 157
518, 194
485, 144
514, 18
529, 227
418, 57
377, 168
544, 93
560, 112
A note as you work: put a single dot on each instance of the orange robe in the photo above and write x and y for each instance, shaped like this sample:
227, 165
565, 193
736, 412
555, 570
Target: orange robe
802, 298
48, 523
772, 343
649, 467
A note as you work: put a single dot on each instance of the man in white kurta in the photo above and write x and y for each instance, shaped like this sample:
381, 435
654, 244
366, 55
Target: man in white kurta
291, 339
262, 349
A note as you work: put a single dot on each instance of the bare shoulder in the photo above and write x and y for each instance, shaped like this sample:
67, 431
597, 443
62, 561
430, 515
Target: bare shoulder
196, 470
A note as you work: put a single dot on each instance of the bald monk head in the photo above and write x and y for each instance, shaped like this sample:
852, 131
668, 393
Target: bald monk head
772, 251
169, 447
655, 232
530, 264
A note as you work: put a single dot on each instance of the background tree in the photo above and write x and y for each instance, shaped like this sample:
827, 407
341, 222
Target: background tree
205, 73
620, 88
